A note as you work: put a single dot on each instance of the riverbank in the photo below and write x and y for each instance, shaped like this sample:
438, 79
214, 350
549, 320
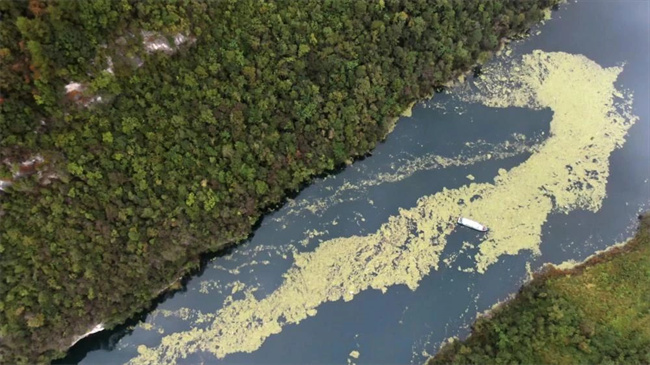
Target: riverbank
595, 312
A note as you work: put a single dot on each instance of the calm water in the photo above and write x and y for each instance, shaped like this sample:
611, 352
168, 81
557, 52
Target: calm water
400, 325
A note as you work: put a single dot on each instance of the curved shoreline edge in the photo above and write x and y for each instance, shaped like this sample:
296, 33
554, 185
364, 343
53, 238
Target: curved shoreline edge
556, 293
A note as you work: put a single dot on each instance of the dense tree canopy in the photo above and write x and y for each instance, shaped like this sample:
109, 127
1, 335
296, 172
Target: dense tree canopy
115, 185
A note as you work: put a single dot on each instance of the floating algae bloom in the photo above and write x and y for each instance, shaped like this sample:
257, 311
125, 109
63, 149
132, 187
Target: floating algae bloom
567, 171
347, 192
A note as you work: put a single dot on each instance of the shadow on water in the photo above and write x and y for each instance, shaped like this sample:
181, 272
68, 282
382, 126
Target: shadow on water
108, 339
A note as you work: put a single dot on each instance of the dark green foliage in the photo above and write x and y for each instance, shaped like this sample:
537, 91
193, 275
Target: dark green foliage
184, 153
599, 314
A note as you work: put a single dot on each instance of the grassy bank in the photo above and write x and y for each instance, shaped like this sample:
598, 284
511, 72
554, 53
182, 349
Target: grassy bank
595, 313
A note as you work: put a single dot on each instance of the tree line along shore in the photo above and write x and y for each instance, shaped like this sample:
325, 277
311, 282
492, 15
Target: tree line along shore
595, 313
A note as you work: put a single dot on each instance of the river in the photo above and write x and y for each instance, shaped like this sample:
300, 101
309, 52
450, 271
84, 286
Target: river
305, 287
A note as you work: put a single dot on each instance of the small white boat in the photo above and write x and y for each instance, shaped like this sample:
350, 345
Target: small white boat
472, 224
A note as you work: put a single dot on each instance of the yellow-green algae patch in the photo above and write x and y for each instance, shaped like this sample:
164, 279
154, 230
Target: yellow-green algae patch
568, 171
401, 252
571, 167
406, 168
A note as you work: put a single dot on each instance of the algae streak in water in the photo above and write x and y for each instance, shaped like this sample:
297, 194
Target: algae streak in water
568, 171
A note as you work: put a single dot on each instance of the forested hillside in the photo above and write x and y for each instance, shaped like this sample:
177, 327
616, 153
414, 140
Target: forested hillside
596, 313
136, 135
